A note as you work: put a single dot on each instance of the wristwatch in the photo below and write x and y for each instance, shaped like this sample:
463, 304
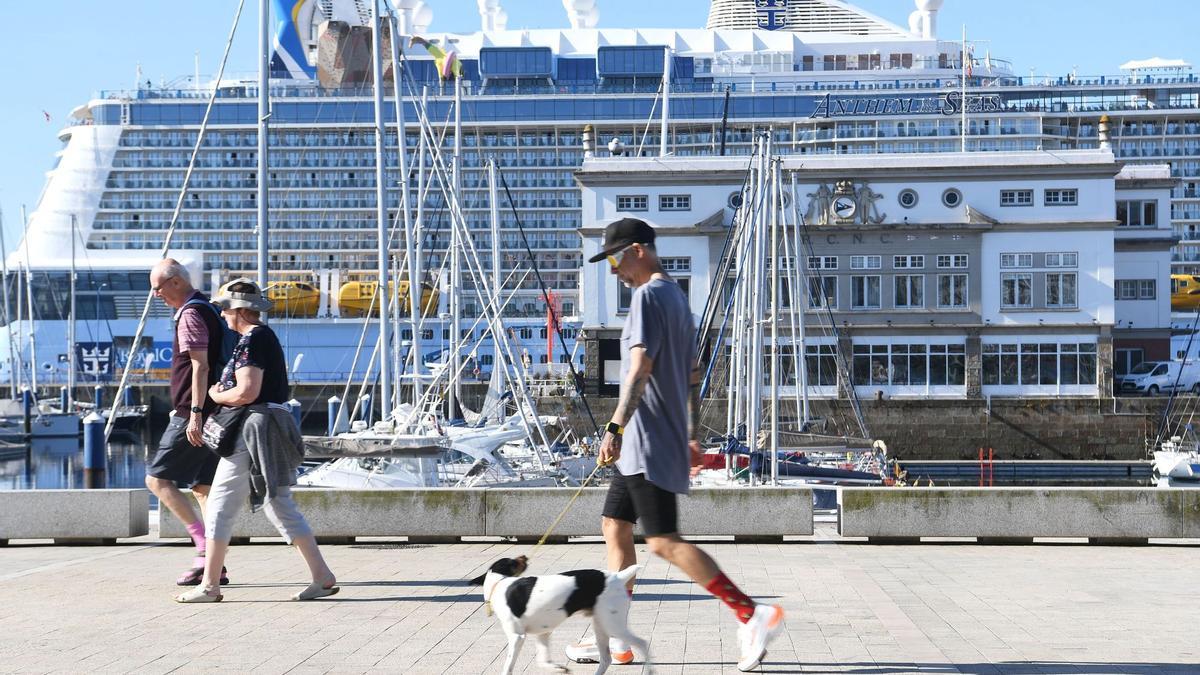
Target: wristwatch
197, 409
614, 428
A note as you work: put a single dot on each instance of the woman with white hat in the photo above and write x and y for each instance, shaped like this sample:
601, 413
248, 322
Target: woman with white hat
261, 464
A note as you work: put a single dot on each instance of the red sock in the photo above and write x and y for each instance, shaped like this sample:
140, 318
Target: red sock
731, 595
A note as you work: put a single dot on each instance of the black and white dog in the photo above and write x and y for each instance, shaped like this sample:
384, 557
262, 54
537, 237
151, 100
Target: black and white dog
535, 606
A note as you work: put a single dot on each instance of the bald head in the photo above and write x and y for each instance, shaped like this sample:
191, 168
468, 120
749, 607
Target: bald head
171, 282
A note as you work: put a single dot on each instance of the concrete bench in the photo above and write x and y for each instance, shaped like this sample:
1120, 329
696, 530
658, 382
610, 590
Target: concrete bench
341, 515
744, 513
1019, 514
74, 516
438, 515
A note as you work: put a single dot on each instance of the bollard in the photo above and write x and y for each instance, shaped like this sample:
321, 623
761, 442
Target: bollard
98, 396
296, 409
128, 397
64, 399
331, 407
94, 452
364, 408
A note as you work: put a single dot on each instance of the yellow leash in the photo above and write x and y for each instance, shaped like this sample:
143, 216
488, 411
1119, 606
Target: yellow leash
487, 599
567, 508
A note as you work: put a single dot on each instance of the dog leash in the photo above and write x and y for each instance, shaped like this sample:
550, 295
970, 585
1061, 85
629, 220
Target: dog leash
540, 542
487, 600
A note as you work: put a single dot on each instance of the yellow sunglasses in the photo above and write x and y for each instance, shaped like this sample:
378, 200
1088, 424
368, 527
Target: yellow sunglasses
615, 259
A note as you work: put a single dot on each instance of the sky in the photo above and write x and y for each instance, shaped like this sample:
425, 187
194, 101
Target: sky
61, 53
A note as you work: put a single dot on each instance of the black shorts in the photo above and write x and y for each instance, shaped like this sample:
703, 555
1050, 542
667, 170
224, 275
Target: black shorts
633, 498
178, 460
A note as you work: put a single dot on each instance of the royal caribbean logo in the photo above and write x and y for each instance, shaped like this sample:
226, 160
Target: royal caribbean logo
772, 14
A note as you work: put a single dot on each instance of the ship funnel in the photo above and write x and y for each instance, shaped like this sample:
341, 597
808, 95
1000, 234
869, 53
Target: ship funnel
1105, 133
924, 20
582, 13
589, 145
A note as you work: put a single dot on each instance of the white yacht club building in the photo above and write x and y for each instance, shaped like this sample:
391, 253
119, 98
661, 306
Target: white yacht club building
960, 275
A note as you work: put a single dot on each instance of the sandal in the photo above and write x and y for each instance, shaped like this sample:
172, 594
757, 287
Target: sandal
194, 576
200, 594
316, 590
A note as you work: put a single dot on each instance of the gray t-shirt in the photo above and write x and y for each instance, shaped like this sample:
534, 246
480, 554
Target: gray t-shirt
656, 439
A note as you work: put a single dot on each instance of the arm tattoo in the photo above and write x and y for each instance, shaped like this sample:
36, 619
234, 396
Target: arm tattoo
631, 398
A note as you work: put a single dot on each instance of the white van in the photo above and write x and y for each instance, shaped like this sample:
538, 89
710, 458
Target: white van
1162, 377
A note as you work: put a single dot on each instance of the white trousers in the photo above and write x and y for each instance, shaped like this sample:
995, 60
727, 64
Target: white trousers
231, 491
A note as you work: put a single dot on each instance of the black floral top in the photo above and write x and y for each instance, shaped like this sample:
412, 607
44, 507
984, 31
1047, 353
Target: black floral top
259, 348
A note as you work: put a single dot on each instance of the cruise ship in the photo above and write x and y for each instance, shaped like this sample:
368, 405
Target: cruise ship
822, 76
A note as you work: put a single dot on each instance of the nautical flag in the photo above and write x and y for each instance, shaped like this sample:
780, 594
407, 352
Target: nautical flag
970, 62
46, 115
448, 65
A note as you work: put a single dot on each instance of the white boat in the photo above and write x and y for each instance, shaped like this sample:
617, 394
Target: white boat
1177, 461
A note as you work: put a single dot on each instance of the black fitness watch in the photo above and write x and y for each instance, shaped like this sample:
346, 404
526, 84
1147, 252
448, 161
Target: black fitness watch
197, 409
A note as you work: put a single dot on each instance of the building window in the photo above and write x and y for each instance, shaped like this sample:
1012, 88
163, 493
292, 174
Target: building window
952, 198
821, 363
822, 262
952, 291
1137, 213
1147, 289
864, 292
908, 262
1127, 359
1062, 260
1011, 260
947, 364
910, 291
1061, 290
675, 203
624, 297
865, 262
870, 365
1016, 198
1127, 289
1039, 364
1016, 290
1062, 197
632, 202
907, 198
952, 261
822, 292
679, 265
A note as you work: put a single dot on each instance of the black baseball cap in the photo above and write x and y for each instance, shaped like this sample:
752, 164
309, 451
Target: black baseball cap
622, 233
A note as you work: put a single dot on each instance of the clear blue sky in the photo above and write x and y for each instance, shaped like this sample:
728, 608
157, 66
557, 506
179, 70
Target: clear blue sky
60, 53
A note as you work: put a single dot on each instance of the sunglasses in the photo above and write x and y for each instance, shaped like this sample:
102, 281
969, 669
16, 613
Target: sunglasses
614, 260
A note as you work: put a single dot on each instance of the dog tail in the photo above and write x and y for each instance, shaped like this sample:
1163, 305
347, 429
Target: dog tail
478, 581
626, 574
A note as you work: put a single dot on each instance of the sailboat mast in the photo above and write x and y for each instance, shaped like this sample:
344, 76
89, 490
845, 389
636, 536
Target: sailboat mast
385, 380
776, 205
800, 307
71, 323
410, 235
29, 302
264, 114
493, 197
13, 371
455, 394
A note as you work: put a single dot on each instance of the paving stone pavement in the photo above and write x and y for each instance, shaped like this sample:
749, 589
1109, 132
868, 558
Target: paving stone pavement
851, 608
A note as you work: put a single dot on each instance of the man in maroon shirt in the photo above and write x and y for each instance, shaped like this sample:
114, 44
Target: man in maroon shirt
181, 458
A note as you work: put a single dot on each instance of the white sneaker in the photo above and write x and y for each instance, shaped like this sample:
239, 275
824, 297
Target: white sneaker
756, 633
585, 651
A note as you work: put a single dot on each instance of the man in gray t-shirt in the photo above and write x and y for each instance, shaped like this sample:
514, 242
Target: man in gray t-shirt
652, 438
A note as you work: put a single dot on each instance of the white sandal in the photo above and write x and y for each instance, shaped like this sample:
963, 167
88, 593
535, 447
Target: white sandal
316, 590
200, 594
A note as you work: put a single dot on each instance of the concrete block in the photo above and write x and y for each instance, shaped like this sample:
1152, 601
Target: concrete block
74, 516
760, 512
1014, 513
366, 513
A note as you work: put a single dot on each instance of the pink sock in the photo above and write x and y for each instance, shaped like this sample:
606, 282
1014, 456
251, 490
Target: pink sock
196, 530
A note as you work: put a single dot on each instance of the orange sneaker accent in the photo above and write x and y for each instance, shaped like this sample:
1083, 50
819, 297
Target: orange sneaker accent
622, 657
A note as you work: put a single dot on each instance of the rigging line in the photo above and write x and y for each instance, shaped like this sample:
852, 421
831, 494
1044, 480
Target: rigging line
1158, 436
722, 273
839, 359
554, 318
649, 120
112, 417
